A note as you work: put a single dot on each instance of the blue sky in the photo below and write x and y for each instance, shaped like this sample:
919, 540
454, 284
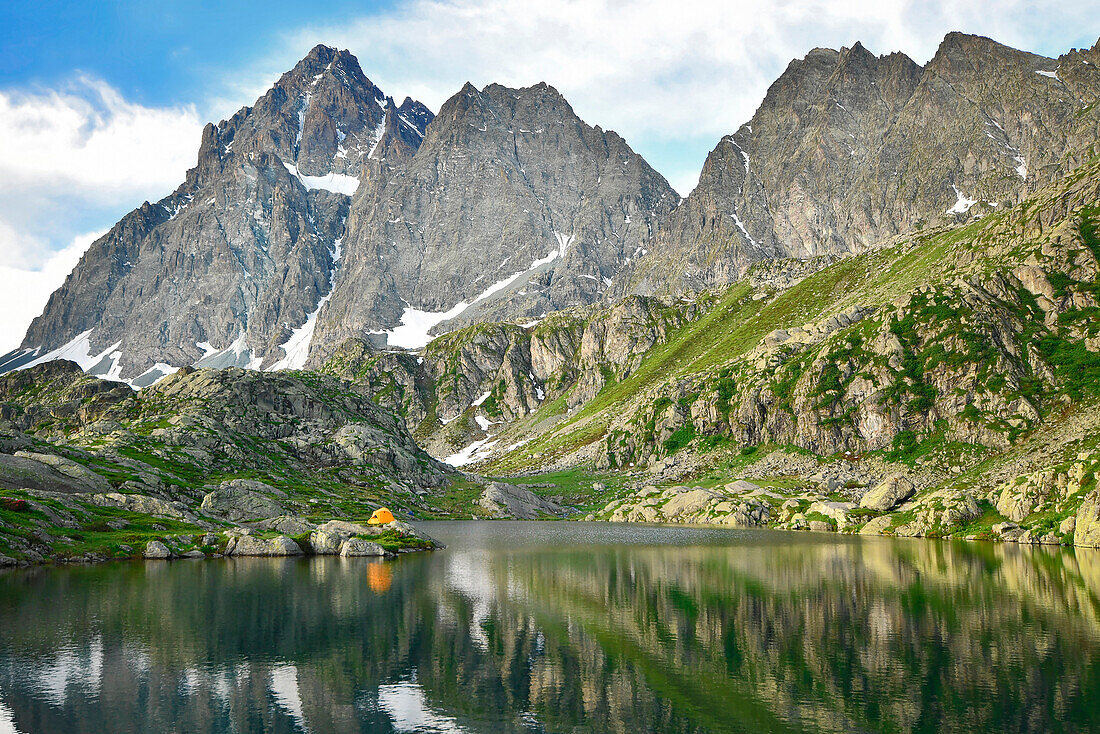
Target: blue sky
156, 53
101, 103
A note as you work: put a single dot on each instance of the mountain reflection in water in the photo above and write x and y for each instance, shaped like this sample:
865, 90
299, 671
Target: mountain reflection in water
531, 627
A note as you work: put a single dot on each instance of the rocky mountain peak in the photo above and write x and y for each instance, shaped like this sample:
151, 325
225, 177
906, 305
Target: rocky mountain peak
848, 149
512, 206
229, 268
966, 56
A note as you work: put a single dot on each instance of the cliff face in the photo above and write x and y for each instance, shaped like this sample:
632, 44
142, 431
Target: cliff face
512, 206
326, 211
848, 149
228, 267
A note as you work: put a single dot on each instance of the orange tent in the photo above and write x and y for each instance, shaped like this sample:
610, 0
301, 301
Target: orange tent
381, 516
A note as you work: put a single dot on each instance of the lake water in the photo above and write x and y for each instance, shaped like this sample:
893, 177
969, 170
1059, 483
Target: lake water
564, 627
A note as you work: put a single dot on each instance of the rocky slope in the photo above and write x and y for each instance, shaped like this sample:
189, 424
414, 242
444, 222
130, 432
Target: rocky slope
849, 148
202, 450
231, 268
960, 364
512, 206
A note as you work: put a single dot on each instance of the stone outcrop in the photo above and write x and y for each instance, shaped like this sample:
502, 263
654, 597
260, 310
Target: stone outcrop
249, 545
240, 500
1086, 525
893, 490
507, 500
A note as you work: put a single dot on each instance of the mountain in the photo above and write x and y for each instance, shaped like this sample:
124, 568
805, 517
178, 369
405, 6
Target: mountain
512, 206
892, 327
326, 211
229, 268
849, 148
946, 384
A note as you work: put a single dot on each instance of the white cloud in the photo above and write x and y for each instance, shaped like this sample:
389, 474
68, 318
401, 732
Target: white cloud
69, 156
89, 137
27, 285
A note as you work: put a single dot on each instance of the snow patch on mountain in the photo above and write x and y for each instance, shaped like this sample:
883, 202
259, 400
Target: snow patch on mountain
962, 204
337, 183
236, 354
474, 452
413, 331
296, 348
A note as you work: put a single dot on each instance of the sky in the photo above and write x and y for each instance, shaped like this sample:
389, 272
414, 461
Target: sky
102, 103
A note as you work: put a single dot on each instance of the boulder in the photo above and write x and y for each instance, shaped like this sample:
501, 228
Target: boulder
690, 501
836, 510
361, 547
287, 525
508, 500
888, 494
328, 539
239, 501
156, 549
876, 525
249, 545
1086, 526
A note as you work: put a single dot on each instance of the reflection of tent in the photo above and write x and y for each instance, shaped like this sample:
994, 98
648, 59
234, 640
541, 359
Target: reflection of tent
379, 577
381, 516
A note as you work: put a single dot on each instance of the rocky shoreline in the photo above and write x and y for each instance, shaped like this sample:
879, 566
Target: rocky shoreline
285, 536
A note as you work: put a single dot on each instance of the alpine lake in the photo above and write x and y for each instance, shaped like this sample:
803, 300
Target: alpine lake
564, 627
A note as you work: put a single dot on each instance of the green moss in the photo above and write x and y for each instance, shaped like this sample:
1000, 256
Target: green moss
680, 438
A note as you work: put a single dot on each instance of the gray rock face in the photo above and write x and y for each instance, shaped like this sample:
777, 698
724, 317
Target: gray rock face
508, 500
237, 501
509, 185
849, 148
68, 468
248, 545
223, 270
18, 472
1086, 524
157, 550
361, 547
887, 495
